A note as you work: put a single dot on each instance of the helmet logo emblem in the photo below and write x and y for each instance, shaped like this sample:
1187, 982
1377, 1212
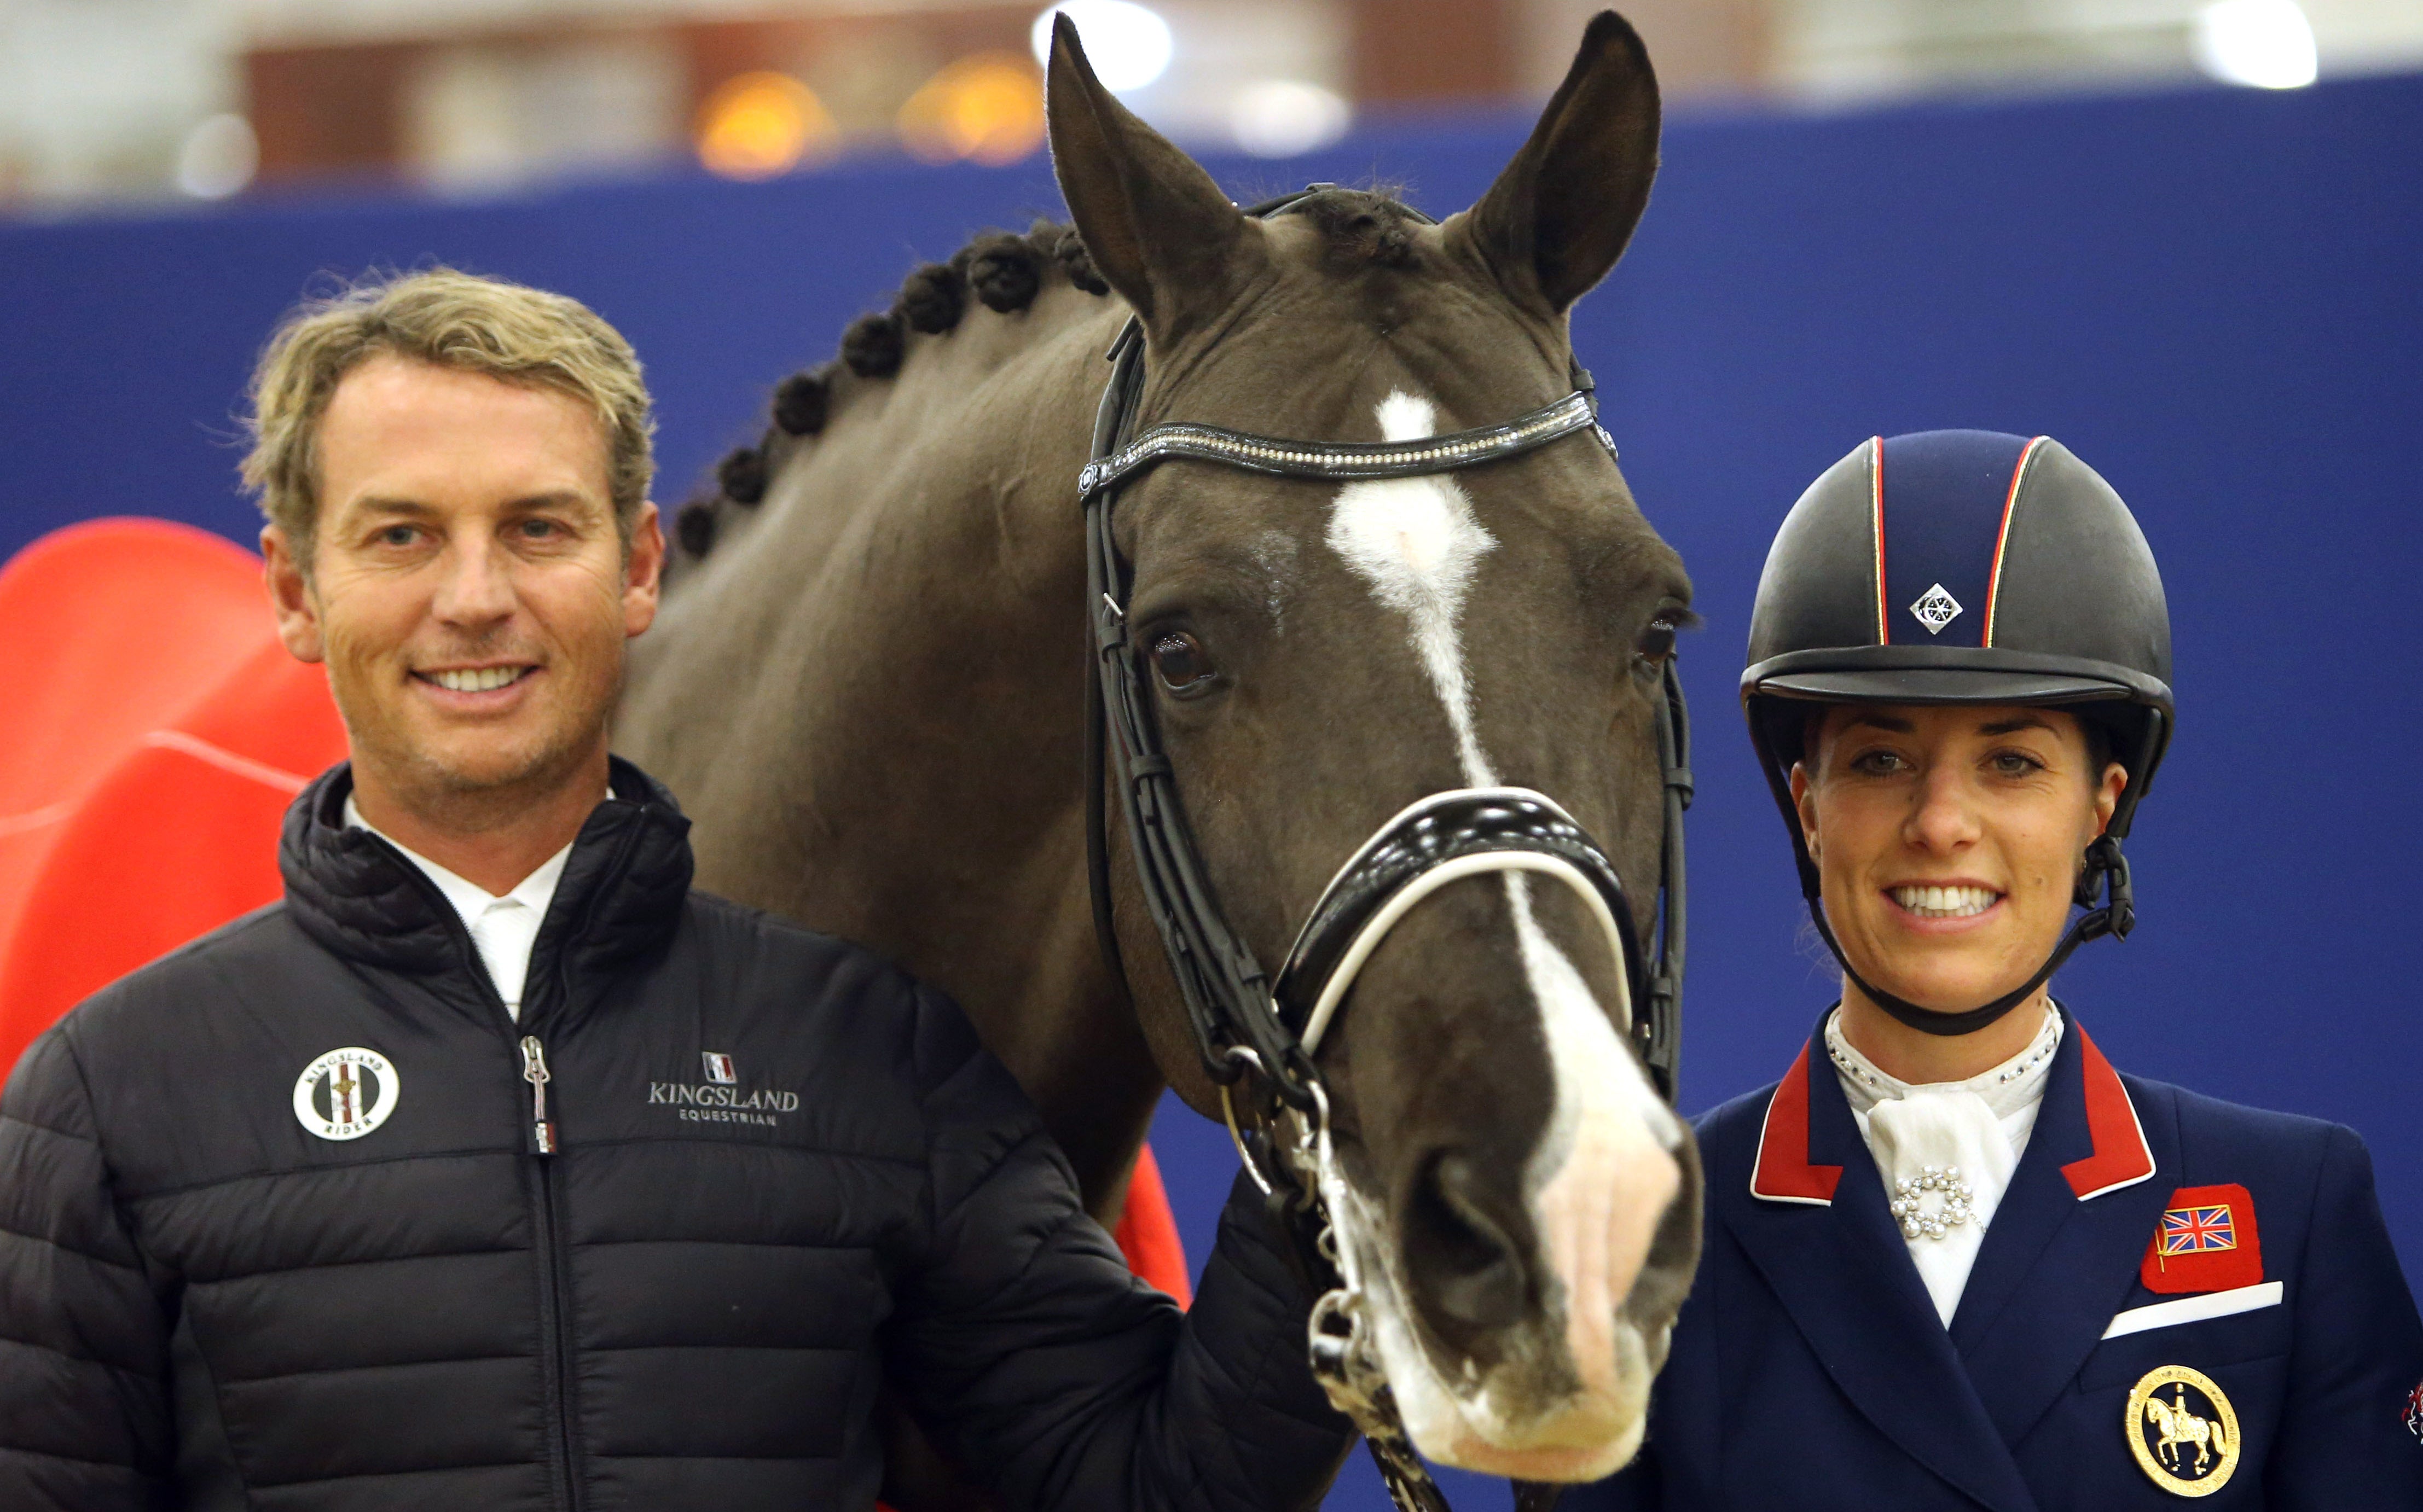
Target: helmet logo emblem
1934, 609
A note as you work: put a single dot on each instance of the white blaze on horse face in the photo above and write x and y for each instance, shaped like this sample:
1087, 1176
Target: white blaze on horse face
1416, 541
1604, 1173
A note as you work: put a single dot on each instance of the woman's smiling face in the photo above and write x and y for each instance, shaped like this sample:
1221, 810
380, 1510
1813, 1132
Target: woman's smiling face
1948, 840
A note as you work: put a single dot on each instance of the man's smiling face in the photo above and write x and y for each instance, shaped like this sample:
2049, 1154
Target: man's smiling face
468, 590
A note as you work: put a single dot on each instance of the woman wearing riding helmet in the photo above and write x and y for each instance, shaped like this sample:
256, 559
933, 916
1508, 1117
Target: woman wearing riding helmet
1954, 1259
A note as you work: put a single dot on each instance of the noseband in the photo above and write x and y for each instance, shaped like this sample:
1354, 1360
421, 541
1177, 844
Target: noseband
1244, 1026
1443, 839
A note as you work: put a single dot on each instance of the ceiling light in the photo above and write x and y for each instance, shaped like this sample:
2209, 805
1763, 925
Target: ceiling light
758, 125
1128, 45
2267, 43
986, 108
218, 157
1284, 117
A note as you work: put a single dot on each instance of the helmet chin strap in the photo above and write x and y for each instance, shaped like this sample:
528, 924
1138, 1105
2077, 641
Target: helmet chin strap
2104, 876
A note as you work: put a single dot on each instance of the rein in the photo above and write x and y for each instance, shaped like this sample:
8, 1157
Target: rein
1247, 1026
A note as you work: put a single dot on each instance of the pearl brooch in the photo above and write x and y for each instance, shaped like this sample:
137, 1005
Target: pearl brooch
1910, 1206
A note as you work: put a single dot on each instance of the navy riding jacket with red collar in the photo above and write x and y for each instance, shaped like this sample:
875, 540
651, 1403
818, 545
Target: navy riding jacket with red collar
2153, 1244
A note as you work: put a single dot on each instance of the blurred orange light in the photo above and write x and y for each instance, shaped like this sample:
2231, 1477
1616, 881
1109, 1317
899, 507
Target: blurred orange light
986, 108
757, 125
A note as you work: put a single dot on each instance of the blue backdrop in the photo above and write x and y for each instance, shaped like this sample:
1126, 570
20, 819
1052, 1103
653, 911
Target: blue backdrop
2211, 296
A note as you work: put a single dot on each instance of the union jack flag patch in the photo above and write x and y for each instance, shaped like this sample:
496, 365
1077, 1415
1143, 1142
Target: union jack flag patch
2198, 1230
2204, 1241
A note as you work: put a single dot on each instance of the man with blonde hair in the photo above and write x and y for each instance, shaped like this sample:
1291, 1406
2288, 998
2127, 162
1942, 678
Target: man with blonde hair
494, 1167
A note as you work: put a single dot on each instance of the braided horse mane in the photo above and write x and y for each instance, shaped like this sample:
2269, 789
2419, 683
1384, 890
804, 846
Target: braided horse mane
1002, 270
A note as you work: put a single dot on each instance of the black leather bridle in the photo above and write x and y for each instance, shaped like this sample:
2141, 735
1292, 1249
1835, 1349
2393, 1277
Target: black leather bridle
1246, 1027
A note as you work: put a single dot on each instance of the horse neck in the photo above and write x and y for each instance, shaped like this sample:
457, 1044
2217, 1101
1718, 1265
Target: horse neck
871, 704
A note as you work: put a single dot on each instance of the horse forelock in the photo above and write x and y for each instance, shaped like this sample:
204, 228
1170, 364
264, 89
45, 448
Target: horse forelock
1374, 226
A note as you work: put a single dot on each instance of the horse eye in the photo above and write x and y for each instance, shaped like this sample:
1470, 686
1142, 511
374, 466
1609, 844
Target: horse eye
1182, 661
1657, 642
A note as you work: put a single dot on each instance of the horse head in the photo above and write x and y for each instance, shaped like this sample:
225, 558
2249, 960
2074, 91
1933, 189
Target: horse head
1522, 1205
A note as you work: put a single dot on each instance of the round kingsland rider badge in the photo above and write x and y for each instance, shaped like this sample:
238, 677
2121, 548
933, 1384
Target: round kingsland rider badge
2183, 1430
345, 1094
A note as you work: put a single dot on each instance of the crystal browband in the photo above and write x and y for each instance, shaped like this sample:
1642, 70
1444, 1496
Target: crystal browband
1328, 459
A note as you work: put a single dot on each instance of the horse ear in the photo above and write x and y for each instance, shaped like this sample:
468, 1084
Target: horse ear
1159, 230
1560, 215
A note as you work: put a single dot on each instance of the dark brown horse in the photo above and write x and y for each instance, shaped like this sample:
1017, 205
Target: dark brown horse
868, 690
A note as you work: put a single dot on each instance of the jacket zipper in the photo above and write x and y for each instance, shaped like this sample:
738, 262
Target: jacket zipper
553, 1283
555, 1358
534, 1072
555, 1361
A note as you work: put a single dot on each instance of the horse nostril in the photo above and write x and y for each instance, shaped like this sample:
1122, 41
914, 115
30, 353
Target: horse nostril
1466, 1271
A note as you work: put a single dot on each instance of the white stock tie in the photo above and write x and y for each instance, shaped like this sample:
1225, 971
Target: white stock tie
1946, 1162
1947, 1150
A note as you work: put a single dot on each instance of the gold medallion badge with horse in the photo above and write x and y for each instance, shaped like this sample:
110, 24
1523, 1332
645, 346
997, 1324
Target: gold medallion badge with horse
2183, 1430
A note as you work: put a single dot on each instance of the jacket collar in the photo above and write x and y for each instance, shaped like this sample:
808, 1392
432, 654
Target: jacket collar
2084, 1100
1783, 1172
2055, 1263
2087, 1096
619, 897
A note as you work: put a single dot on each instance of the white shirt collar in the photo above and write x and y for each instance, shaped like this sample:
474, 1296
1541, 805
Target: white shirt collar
504, 928
2015, 1085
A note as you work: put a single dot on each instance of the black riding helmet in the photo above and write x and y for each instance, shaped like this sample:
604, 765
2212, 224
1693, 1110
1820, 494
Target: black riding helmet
1965, 567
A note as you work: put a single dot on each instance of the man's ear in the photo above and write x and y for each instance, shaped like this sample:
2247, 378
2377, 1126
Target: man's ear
1560, 213
291, 597
643, 568
1159, 230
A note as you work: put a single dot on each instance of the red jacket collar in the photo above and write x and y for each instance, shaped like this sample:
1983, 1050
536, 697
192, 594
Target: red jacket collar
1783, 1173
2122, 1156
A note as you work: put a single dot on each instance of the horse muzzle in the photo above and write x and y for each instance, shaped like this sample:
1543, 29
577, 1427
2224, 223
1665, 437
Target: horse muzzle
1496, 1305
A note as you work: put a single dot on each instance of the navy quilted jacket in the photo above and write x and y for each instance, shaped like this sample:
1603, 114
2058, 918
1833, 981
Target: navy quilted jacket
238, 1271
